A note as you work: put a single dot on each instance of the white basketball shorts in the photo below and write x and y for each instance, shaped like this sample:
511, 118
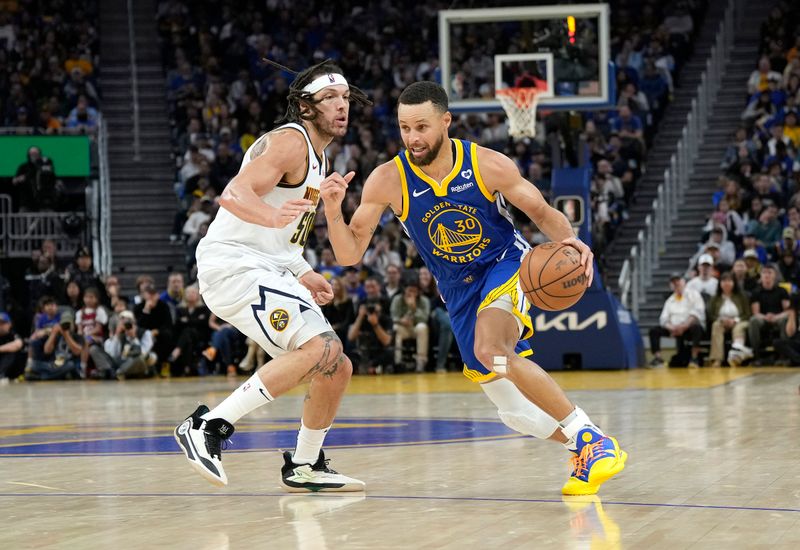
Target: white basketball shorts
270, 307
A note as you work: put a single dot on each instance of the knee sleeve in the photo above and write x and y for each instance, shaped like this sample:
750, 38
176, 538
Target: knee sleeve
517, 412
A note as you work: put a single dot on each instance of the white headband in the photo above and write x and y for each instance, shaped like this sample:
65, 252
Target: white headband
330, 79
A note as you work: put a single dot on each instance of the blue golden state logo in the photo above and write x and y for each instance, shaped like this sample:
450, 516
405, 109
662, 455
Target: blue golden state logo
456, 234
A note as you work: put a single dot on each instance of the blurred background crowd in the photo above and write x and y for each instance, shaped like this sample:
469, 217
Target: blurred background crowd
71, 323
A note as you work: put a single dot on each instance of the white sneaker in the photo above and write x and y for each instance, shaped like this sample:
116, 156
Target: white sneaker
202, 442
317, 477
746, 353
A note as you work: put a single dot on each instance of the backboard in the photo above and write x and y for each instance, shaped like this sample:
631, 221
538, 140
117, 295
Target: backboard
475, 45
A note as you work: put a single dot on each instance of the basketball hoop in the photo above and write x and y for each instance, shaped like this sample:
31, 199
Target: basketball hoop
520, 106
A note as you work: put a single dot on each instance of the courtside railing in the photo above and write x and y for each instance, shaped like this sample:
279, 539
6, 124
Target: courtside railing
636, 275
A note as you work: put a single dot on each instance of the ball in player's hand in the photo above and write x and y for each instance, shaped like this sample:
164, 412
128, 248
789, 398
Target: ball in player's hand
552, 277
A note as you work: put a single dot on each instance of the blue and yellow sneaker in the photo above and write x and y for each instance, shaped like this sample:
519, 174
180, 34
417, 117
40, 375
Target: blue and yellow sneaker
597, 459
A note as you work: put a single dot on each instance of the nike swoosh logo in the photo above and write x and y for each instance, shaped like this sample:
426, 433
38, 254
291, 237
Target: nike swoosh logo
421, 192
264, 394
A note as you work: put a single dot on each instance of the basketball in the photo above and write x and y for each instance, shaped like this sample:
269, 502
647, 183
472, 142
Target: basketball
552, 277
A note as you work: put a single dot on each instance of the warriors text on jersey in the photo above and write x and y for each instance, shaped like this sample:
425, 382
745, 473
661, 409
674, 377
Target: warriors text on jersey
233, 245
459, 228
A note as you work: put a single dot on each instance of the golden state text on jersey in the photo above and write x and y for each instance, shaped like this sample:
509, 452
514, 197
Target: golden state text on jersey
459, 228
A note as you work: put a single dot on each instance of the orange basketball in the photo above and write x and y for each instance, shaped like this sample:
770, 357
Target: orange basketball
552, 277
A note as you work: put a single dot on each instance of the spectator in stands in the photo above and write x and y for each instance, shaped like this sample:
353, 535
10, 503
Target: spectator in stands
127, 353
791, 130
769, 306
152, 314
92, 325
74, 297
440, 320
83, 117
371, 332
380, 255
352, 284
28, 180
759, 78
392, 283
224, 340
682, 317
728, 312
198, 214
789, 268
759, 110
751, 243
788, 243
142, 281
173, 295
788, 348
59, 358
43, 280
410, 313
82, 272
767, 228
744, 281
630, 129
741, 147
327, 266
705, 282
191, 329
12, 357
340, 312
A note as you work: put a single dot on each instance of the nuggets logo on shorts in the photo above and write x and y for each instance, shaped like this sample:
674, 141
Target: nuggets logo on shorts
279, 319
457, 235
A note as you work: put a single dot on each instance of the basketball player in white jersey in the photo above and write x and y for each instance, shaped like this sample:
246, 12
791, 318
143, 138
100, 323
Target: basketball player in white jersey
252, 273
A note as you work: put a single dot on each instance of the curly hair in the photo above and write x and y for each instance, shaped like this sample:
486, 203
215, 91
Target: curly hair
297, 96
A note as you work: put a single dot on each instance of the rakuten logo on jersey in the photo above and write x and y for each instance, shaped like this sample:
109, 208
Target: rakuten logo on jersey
569, 320
462, 187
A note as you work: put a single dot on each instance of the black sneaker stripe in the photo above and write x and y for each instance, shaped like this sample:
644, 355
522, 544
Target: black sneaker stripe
204, 461
186, 445
312, 486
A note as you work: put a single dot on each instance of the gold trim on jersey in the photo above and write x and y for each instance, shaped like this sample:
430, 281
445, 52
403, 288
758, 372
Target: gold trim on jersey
287, 185
404, 186
481, 377
473, 151
512, 288
440, 189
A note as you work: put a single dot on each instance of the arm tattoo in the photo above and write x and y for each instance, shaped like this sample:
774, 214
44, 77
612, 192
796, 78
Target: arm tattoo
258, 148
337, 218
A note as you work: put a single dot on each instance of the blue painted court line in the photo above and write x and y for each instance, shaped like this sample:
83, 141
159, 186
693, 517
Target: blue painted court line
408, 497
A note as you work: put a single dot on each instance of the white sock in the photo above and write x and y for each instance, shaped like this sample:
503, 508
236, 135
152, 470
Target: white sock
573, 423
244, 399
309, 442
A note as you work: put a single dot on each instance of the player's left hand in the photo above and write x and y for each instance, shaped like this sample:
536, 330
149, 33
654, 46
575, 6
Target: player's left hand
320, 288
587, 258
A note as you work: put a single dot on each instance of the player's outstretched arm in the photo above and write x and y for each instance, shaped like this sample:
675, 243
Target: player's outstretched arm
350, 241
500, 174
275, 156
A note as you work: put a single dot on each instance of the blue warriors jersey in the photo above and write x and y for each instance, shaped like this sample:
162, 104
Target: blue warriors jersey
467, 239
459, 228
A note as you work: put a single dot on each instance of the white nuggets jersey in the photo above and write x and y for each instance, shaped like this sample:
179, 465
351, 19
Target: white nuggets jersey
233, 245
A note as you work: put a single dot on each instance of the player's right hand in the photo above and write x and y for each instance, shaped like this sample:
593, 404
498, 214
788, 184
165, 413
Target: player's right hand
333, 188
289, 211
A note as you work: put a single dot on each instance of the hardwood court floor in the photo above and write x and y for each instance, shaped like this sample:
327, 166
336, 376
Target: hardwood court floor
713, 463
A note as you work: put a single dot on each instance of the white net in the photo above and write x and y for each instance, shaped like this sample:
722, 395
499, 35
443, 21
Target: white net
520, 107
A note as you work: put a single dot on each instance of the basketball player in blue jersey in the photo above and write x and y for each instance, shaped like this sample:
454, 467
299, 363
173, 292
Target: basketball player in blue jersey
450, 195
252, 273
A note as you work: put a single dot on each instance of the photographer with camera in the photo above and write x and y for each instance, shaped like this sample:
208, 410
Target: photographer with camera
127, 353
372, 330
60, 356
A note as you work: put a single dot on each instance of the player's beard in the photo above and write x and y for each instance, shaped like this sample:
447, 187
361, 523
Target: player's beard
429, 158
328, 128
